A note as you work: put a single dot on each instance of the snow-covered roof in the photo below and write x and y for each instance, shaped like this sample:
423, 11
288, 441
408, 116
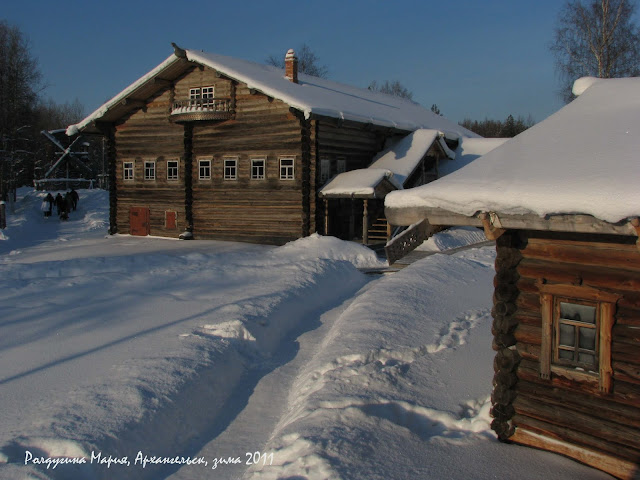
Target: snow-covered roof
358, 183
469, 149
311, 95
583, 160
405, 156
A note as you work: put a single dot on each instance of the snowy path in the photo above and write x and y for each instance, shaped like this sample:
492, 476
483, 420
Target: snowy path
116, 347
250, 431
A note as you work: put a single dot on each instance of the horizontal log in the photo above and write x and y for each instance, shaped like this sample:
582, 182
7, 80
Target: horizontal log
569, 417
623, 392
556, 439
597, 406
528, 334
610, 256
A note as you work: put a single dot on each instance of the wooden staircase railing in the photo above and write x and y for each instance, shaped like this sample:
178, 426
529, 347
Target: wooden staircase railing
407, 241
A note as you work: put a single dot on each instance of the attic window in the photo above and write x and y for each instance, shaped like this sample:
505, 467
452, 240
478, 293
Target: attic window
577, 322
201, 96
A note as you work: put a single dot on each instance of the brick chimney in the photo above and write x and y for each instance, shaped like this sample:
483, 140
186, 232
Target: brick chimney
291, 66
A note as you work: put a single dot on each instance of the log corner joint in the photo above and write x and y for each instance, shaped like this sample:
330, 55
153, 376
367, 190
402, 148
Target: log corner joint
492, 225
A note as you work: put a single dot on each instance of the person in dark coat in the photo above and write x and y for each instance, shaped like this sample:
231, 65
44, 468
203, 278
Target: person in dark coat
68, 202
74, 199
59, 201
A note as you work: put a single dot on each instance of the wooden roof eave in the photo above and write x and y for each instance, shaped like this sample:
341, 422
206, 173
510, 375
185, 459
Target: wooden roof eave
497, 222
123, 105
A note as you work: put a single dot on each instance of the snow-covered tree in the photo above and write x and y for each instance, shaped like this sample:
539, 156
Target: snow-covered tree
596, 38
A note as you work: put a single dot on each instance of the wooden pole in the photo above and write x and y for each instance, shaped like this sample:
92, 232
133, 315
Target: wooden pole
326, 216
365, 223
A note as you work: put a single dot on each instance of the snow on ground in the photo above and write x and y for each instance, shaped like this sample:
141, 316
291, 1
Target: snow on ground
219, 352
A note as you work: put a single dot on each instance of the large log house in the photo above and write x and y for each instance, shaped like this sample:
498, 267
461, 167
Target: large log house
229, 149
562, 202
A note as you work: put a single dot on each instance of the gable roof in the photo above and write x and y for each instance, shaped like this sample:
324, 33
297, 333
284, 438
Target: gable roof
582, 160
311, 95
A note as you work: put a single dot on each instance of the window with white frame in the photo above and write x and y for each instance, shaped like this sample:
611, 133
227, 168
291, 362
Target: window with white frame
201, 96
204, 169
150, 170
207, 96
325, 169
230, 168
127, 170
172, 170
577, 323
287, 168
342, 165
258, 168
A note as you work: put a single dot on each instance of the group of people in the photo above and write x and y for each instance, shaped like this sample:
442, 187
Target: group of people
64, 204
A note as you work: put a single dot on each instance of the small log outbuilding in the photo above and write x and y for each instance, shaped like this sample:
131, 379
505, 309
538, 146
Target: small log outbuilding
562, 202
234, 150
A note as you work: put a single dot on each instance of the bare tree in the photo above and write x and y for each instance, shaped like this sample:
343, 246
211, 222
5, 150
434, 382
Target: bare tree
394, 88
597, 38
308, 62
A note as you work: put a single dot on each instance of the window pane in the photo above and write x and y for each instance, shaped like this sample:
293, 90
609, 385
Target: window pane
587, 358
567, 335
587, 338
566, 354
579, 313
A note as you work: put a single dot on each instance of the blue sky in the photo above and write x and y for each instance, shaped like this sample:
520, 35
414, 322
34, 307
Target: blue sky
472, 58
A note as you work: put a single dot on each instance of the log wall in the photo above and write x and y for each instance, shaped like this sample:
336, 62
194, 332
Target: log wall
566, 409
268, 210
149, 135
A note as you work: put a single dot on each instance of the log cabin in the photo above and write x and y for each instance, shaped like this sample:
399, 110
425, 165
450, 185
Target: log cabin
562, 203
209, 146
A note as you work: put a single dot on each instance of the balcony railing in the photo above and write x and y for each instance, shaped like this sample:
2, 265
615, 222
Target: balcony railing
202, 109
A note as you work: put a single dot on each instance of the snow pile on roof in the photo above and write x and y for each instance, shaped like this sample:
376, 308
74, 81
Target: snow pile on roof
468, 150
584, 159
358, 182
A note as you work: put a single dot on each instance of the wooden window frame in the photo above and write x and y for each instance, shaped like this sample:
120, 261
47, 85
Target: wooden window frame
287, 172
128, 169
325, 169
201, 162
254, 168
170, 169
341, 164
152, 175
605, 304
232, 173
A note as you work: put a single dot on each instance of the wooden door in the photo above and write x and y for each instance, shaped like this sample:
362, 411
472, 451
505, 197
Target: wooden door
170, 220
139, 221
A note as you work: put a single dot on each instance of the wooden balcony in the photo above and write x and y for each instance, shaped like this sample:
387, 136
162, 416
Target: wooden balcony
197, 109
